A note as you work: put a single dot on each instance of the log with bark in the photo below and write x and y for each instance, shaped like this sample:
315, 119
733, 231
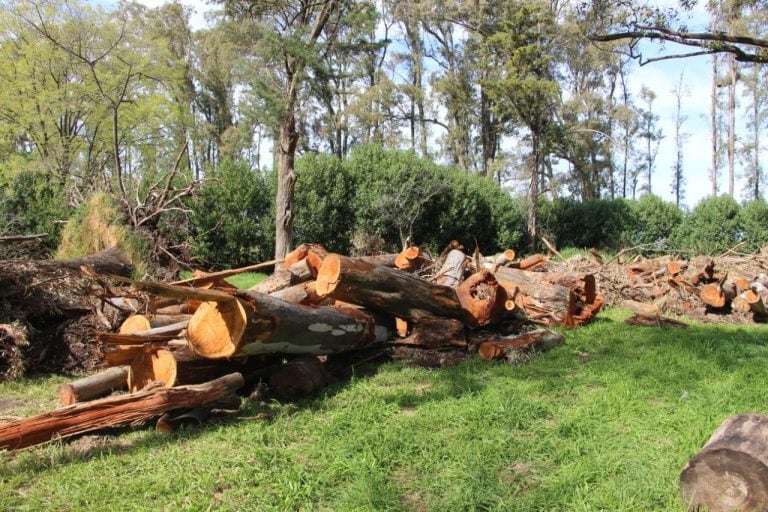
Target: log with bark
94, 386
411, 259
730, 472
451, 274
391, 291
135, 324
255, 323
287, 275
534, 341
114, 411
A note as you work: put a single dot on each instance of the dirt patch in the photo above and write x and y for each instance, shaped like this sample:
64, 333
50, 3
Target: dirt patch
8, 404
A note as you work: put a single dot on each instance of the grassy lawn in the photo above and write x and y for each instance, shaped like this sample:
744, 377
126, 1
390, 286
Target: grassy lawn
606, 422
241, 281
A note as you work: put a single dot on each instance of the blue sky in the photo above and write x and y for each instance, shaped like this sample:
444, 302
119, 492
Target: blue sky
661, 77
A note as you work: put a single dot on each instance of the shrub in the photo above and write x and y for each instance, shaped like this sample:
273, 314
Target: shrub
753, 219
600, 223
654, 221
712, 227
233, 217
31, 202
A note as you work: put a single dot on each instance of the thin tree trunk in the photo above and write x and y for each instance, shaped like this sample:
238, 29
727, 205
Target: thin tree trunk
732, 72
713, 119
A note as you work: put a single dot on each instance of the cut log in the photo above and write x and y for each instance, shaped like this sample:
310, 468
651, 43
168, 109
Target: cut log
718, 296
299, 378
755, 302
730, 472
313, 253
534, 341
112, 412
532, 262
261, 324
94, 386
480, 297
540, 300
142, 323
502, 258
451, 274
411, 259
302, 293
386, 290
288, 275
431, 332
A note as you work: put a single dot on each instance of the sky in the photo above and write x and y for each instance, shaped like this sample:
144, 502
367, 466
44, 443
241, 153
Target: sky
661, 77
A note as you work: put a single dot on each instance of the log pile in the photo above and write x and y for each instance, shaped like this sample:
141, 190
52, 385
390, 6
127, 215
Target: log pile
306, 325
728, 289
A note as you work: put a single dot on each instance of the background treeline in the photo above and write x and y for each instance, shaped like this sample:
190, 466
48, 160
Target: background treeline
180, 129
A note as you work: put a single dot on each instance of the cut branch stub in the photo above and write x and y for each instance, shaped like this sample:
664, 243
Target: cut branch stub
260, 324
387, 290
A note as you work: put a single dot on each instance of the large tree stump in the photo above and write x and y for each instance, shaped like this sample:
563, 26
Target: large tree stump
730, 473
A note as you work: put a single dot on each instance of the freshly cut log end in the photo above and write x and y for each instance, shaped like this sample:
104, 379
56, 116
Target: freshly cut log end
410, 259
329, 275
730, 472
134, 323
153, 366
478, 297
215, 329
712, 295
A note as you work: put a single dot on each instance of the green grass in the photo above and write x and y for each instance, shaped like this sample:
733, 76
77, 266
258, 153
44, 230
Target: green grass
241, 281
605, 422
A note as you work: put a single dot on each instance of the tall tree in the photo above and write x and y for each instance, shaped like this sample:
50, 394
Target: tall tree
678, 179
526, 90
652, 135
289, 35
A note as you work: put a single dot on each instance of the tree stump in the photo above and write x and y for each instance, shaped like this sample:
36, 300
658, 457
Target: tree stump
730, 473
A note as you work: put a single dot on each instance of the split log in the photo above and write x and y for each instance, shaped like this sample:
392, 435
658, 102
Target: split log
731, 471
94, 386
115, 411
451, 274
411, 259
261, 324
534, 341
387, 290
288, 275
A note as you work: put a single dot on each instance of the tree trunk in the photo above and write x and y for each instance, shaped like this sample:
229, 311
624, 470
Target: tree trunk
285, 276
731, 471
260, 324
94, 386
287, 141
112, 412
304, 294
387, 290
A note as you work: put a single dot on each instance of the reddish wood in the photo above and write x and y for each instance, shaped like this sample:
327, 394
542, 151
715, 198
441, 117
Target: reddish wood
112, 411
532, 262
539, 341
480, 297
731, 471
411, 259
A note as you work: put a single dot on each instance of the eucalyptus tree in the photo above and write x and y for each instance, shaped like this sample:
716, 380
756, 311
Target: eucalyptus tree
288, 37
526, 91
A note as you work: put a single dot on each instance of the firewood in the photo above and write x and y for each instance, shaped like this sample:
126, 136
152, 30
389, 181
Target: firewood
731, 470
112, 412
717, 295
502, 258
255, 323
532, 262
94, 386
755, 302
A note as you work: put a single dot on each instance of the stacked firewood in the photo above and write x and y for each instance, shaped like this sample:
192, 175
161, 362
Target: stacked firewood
308, 323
